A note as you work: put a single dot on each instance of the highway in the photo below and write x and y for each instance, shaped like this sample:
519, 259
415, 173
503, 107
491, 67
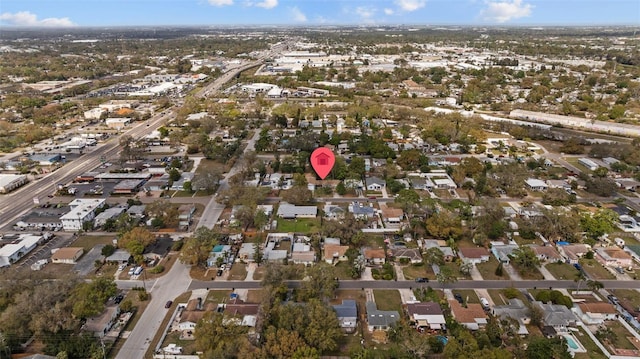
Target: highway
463, 284
18, 202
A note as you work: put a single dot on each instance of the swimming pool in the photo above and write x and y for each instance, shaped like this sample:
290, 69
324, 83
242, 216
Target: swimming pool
571, 343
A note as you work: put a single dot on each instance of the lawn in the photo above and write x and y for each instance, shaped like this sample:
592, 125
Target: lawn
469, 295
301, 225
87, 242
531, 274
621, 341
183, 194
258, 274
255, 296
455, 268
238, 271
593, 352
595, 269
412, 272
188, 346
343, 270
388, 299
627, 295
488, 270
562, 270
218, 296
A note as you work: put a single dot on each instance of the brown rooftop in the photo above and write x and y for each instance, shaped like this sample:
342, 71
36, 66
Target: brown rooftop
374, 253
548, 251
426, 308
469, 314
601, 307
66, 253
617, 253
392, 212
474, 252
333, 250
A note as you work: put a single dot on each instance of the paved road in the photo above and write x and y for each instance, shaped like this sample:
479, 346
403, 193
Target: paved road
16, 203
463, 284
165, 288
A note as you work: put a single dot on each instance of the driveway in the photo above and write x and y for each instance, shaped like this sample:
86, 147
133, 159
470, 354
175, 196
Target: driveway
86, 264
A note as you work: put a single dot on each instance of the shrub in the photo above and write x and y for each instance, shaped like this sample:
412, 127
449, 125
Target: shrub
387, 276
511, 292
157, 269
143, 295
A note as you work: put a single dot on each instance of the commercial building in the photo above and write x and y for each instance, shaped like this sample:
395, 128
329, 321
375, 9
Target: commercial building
12, 252
82, 210
10, 182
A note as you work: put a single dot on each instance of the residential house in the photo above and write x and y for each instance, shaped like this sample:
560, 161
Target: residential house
222, 251
421, 183
119, 256
596, 313
291, 211
447, 252
591, 165
559, 317
68, 255
515, 309
427, 315
375, 184
474, 255
332, 211
546, 253
361, 212
185, 214
243, 314
573, 252
374, 257
503, 251
192, 313
184, 177
413, 255
247, 251
106, 215
137, 211
347, 314
101, 324
302, 253
613, 257
392, 216
335, 253
473, 316
535, 184
159, 249
380, 319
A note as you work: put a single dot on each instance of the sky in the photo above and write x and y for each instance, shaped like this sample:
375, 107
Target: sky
68, 13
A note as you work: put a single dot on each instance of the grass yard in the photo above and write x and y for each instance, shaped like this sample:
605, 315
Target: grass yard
258, 274
188, 346
255, 296
388, 299
183, 194
488, 270
87, 242
595, 269
343, 270
627, 295
531, 274
562, 271
301, 225
218, 296
469, 295
621, 341
455, 267
593, 352
238, 272
412, 272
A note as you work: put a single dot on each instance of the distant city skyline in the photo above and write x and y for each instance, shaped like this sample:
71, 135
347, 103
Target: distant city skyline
87, 13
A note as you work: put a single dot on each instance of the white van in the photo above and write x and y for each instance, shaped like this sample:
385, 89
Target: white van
485, 303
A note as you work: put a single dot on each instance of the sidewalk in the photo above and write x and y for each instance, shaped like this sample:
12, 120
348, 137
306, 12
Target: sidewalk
405, 294
481, 293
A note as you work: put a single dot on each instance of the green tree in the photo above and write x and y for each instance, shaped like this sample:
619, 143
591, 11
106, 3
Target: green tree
197, 248
599, 223
446, 275
525, 258
543, 348
319, 282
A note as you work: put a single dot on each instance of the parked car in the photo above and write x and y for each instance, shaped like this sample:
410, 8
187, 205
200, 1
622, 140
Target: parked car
458, 297
118, 299
168, 304
422, 280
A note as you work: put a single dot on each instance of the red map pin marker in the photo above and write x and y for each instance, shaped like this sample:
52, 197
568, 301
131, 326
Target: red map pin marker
322, 161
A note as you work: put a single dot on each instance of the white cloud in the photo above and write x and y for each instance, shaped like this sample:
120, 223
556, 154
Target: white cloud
388, 11
366, 13
506, 10
298, 16
221, 2
26, 18
267, 4
411, 5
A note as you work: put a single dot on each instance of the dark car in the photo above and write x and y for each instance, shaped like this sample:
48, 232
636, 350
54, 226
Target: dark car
220, 271
168, 305
459, 298
422, 280
118, 299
